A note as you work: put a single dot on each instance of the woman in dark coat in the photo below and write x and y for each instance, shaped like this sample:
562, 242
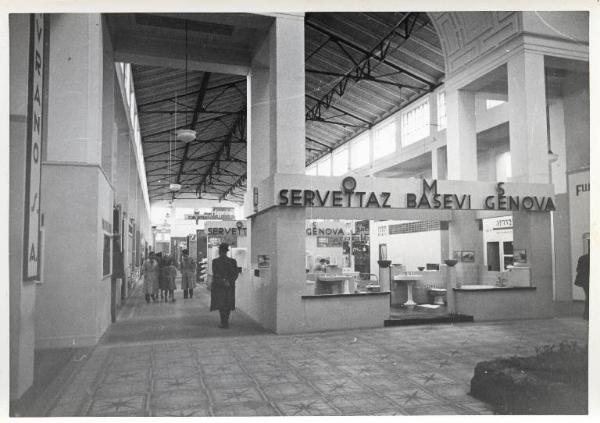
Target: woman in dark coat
222, 294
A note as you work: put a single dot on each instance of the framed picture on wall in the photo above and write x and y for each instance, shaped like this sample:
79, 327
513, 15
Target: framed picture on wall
520, 256
467, 256
457, 255
264, 261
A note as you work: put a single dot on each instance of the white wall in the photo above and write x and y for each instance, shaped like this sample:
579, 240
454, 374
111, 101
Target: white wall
411, 249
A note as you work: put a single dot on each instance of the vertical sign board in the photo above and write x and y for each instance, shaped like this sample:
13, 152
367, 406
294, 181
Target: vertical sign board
579, 214
31, 262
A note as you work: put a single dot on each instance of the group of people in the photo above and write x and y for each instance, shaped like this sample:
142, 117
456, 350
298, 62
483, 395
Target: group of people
159, 277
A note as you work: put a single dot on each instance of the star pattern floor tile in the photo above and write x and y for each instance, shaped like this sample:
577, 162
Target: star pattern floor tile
181, 399
177, 383
246, 409
306, 407
365, 403
419, 370
123, 406
235, 395
280, 391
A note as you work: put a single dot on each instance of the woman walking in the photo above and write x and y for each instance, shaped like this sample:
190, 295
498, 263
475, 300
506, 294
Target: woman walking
150, 271
222, 294
188, 274
168, 274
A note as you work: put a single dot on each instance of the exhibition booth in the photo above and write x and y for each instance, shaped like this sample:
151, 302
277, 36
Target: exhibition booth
373, 246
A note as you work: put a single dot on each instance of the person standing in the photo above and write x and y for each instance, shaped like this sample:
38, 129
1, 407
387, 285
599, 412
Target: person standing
582, 279
168, 274
150, 271
188, 274
222, 294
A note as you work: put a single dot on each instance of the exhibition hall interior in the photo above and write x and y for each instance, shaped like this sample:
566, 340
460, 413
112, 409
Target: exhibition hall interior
388, 183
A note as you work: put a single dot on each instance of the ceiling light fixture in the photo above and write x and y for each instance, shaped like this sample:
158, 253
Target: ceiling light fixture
186, 135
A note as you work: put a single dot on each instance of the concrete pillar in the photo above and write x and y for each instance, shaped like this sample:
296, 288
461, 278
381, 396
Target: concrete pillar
71, 308
438, 163
461, 135
276, 131
434, 163
532, 233
22, 295
465, 235
527, 118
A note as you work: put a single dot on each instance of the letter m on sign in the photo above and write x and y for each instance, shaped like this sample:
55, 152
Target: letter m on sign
430, 188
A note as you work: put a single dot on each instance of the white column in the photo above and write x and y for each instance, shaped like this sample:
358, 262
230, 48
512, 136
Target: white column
461, 136
289, 124
276, 144
527, 118
434, 163
75, 89
75, 194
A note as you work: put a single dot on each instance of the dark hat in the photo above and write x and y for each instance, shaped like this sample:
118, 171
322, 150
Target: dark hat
223, 247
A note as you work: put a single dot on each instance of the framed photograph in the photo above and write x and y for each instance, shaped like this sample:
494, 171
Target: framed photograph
457, 255
264, 261
467, 256
520, 256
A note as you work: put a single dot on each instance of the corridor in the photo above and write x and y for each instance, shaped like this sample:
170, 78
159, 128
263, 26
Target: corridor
183, 319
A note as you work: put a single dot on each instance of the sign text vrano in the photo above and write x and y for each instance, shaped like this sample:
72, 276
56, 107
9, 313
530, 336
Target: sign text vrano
429, 198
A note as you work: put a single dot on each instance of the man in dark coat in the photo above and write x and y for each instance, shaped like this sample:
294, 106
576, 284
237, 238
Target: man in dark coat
222, 294
583, 280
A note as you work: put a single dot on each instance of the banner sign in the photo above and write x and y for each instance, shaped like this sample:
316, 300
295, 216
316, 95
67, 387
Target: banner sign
453, 195
31, 246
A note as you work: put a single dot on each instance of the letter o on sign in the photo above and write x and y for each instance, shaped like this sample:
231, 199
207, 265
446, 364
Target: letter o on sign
349, 184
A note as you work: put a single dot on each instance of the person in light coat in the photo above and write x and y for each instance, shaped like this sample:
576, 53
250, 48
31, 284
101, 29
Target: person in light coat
150, 270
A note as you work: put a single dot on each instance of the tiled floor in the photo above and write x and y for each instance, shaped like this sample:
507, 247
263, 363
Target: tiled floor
204, 371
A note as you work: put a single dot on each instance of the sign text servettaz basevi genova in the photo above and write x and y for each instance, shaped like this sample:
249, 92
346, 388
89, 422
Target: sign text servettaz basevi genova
428, 199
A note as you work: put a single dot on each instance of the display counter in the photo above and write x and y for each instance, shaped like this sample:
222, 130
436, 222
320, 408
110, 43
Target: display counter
487, 302
346, 311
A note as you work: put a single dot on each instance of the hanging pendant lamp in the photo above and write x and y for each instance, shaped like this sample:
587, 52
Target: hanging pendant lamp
174, 187
186, 135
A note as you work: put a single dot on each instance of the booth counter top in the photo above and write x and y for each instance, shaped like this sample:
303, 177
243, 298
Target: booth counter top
356, 294
492, 288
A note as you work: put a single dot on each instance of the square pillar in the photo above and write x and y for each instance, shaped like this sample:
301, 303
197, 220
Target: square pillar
276, 112
527, 118
461, 135
276, 145
438, 164
73, 305
532, 232
465, 234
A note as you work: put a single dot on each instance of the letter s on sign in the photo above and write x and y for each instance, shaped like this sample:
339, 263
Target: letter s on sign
499, 188
283, 198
